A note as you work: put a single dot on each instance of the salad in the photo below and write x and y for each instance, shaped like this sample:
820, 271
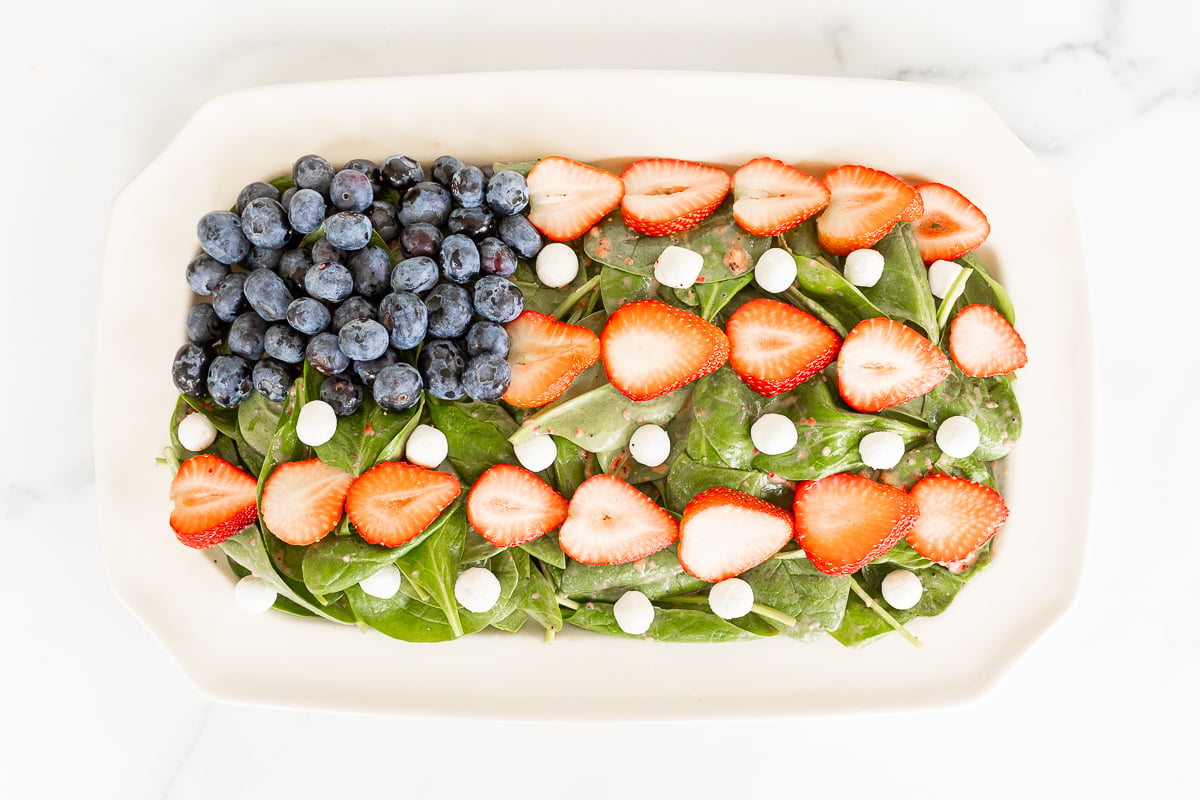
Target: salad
678, 404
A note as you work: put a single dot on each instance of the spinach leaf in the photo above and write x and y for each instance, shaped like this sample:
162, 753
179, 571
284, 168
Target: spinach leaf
223, 419
795, 587
477, 435
223, 446
688, 477
360, 437
247, 548
570, 467
929, 459
513, 622
257, 419
618, 287
540, 602
619, 462
433, 564
713, 297
401, 617
903, 291
656, 576
511, 568
670, 624
538, 296
986, 290
546, 548
600, 419
723, 409
337, 562
990, 402
394, 450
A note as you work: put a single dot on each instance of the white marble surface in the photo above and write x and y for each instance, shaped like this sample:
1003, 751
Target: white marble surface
1106, 92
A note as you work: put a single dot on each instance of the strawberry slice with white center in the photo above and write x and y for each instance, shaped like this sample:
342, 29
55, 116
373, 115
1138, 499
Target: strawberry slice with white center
650, 348
544, 356
983, 343
566, 197
950, 224
665, 195
845, 521
883, 363
957, 517
610, 522
770, 197
509, 505
774, 346
303, 500
864, 204
913, 210
725, 532
393, 502
212, 500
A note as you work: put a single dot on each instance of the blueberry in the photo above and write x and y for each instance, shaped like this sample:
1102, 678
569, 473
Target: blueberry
203, 273
264, 223
401, 172
329, 281
368, 370
221, 236
449, 308
228, 297
372, 270
441, 364
406, 319
459, 258
474, 222
190, 369
306, 212
350, 190
343, 394
421, 239
418, 274
425, 202
271, 379
203, 326
467, 186
285, 343
247, 336
488, 171
518, 233
308, 316
487, 337
323, 251
384, 219
352, 308
496, 258
443, 169
292, 267
507, 193
312, 172
363, 339
263, 258
348, 230
367, 167
229, 381
253, 191
397, 387
285, 199
497, 299
267, 294
486, 378
325, 355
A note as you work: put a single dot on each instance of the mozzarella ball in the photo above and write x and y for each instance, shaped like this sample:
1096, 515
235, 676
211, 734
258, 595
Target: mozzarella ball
316, 423
426, 447
678, 267
556, 265
477, 589
775, 270
881, 449
731, 598
538, 453
650, 445
254, 595
634, 612
196, 432
942, 275
957, 436
773, 434
864, 267
383, 584
901, 589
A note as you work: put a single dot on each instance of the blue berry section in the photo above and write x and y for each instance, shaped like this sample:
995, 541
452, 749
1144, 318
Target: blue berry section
391, 278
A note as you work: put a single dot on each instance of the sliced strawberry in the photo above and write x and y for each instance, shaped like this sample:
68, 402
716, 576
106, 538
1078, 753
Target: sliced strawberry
950, 224
983, 343
770, 197
913, 211
610, 522
212, 500
665, 196
510, 505
774, 346
545, 355
303, 500
393, 502
882, 363
957, 517
566, 198
864, 204
844, 521
650, 348
725, 532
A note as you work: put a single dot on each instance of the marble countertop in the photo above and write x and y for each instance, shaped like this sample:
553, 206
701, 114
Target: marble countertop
1107, 93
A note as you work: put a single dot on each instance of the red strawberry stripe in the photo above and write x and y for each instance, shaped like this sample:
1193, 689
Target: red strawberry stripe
509, 505
844, 521
303, 500
650, 348
725, 532
883, 363
957, 517
610, 522
770, 197
566, 198
211, 501
983, 343
950, 224
394, 502
545, 355
665, 196
864, 204
774, 346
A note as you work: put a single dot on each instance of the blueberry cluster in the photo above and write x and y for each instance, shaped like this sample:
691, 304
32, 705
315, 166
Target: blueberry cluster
380, 279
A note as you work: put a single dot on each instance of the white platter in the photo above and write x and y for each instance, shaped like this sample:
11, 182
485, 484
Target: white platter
914, 131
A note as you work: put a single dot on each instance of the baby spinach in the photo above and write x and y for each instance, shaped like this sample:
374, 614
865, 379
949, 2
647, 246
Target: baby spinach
902, 292
247, 548
433, 564
656, 576
797, 588
223, 446
545, 548
257, 419
989, 402
336, 562
723, 409
986, 290
618, 287
600, 419
572, 466
538, 296
669, 625
223, 419
688, 477
360, 438
477, 435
